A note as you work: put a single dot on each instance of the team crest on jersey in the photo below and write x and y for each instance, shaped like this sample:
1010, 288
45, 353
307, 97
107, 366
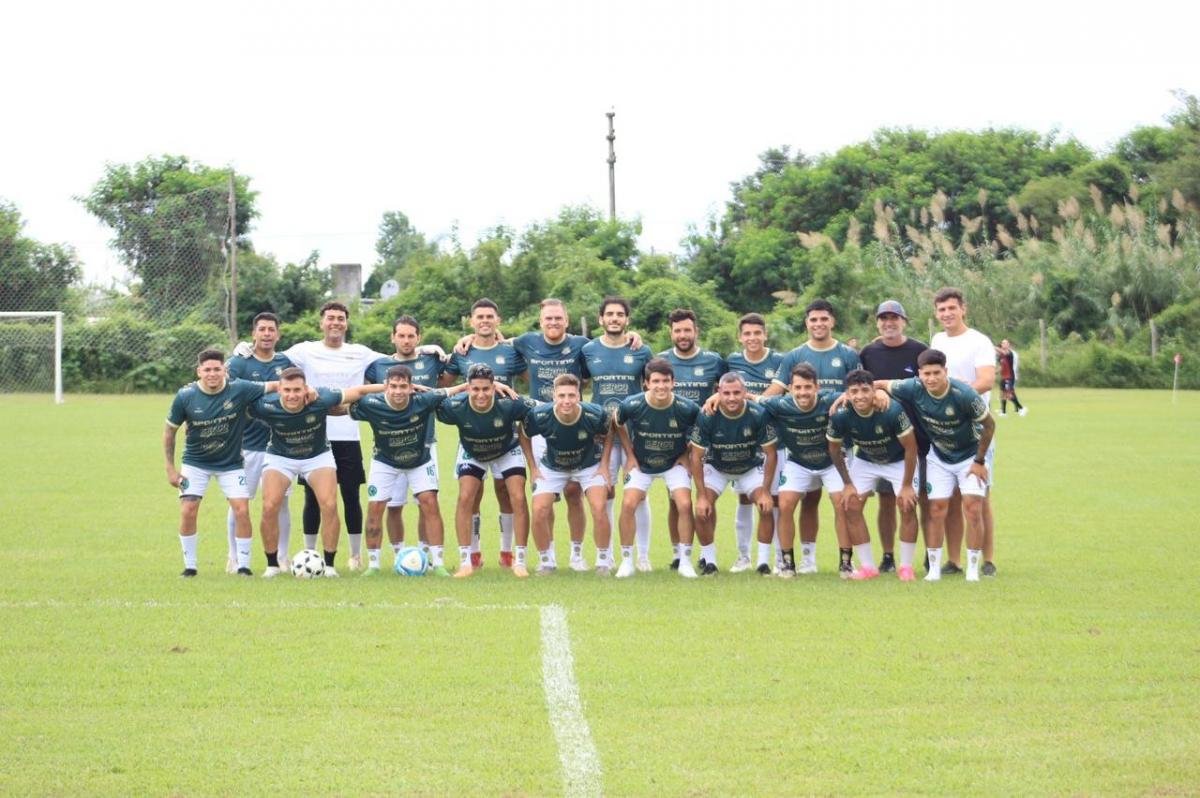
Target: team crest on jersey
500, 360
878, 430
746, 433
627, 359
770, 374
497, 422
583, 435
310, 419
949, 411
673, 424
566, 350
228, 404
836, 362
420, 364
698, 371
278, 370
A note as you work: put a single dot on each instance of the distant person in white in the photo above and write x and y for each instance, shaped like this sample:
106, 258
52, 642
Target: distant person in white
970, 357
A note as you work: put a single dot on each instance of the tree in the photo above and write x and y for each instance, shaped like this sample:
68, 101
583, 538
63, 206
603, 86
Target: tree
398, 243
33, 275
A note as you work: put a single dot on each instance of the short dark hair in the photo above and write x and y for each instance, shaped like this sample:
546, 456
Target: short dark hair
658, 365
409, 320
291, 373
860, 377
328, 306
209, 354
682, 314
931, 357
266, 315
804, 371
731, 376
481, 371
752, 319
567, 379
948, 293
614, 300
819, 304
485, 303
399, 372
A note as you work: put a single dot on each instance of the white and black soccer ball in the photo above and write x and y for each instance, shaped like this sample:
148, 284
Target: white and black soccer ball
411, 561
308, 564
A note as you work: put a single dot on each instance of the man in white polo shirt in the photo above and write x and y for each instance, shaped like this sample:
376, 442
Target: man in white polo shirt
971, 358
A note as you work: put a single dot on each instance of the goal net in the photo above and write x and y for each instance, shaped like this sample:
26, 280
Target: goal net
31, 352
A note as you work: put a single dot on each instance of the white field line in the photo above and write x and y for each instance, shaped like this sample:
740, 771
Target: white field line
152, 604
576, 751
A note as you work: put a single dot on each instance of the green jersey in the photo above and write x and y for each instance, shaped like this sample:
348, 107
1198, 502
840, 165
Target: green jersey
615, 371
832, 364
733, 444
757, 375
426, 369
876, 434
659, 435
401, 434
803, 432
569, 447
215, 422
503, 359
299, 435
546, 361
951, 421
696, 376
484, 434
254, 439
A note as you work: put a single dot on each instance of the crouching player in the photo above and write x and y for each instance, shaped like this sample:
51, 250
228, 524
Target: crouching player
887, 449
300, 448
735, 445
577, 446
960, 429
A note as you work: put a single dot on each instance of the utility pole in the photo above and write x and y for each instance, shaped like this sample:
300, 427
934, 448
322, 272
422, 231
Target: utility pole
233, 285
612, 169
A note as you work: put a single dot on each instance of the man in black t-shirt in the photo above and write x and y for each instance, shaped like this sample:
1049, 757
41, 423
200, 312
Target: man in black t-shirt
893, 356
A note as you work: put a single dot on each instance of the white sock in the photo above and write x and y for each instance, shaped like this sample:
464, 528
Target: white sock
464, 555
642, 519
231, 528
743, 525
974, 557
685, 552
602, 557
189, 550
935, 560
285, 528
775, 543
396, 547
576, 550
907, 552
372, 558
865, 558
243, 552
608, 508
520, 552
475, 532
552, 553
355, 545
627, 552
808, 552
764, 554
506, 531
310, 541
709, 553
435, 556
545, 557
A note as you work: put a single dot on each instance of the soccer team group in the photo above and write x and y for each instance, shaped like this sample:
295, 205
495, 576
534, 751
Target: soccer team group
900, 420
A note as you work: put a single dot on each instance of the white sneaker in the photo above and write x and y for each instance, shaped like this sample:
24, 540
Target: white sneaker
271, 572
742, 564
1022, 411
579, 565
807, 567
934, 576
686, 569
330, 572
285, 564
1002, 414
643, 564
231, 565
355, 562
626, 570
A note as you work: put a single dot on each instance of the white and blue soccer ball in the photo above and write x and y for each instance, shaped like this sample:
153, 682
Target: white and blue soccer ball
411, 561
308, 564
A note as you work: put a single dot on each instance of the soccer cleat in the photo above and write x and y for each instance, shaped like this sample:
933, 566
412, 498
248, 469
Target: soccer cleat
439, 570
742, 564
933, 576
506, 559
272, 572
888, 563
643, 564
231, 565
686, 569
330, 572
626, 569
464, 571
1002, 414
188, 572
285, 564
354, 563
763, 569
786, 572
519, 570
807, 567
864, 573
905, 572
675, 564
845, 570
579, 565
709, 569
547, 570
972, 577
244, 572
989, 568
603, 570
951, 569
1022, 411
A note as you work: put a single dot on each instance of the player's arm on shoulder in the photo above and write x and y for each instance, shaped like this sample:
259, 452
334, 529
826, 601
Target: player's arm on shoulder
353, 394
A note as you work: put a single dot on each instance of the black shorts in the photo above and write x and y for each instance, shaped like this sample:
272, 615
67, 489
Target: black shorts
1008, 385
348, 457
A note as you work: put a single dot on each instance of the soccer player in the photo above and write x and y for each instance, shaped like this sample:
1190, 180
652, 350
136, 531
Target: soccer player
887, 450
616, 368
488, 443
214, 409
734, 446
264, 365
402, 460
893, 356
960, 428
1010, 365
971, 358
801, 420
576, 445
299, 447
758, 364
655, 427
505, 364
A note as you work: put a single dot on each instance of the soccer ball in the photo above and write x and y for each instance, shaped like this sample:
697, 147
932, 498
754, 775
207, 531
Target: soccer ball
308, 564
411, 561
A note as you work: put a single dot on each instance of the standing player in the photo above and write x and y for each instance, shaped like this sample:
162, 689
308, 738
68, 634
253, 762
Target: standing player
960, 428
616, 369
214, 409
1010, 366
886, 450
263, 365
654, 427
893, 356
487, 437
735, 445
971, 358
576, 445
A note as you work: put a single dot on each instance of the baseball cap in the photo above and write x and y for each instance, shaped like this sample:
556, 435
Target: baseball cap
891, 306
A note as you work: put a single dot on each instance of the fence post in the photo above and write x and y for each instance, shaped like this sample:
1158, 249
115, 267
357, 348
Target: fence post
1153, 339
1042, 335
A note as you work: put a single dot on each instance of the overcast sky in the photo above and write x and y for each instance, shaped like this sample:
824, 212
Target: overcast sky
481, 113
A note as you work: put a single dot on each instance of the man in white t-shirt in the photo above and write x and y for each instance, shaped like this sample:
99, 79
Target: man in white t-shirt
970, 357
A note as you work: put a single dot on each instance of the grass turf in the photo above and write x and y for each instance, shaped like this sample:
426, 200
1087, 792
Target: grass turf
1076, 671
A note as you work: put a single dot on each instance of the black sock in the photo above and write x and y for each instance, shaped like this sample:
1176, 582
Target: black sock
789, 559
1003, 405
1016, 403
887, 555
846, 555
312, 512
272, 558
329, 555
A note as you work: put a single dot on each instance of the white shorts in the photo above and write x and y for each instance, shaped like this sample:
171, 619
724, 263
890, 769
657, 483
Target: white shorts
556, 481
780, 462
195, 482
743, 484
864, 473
254, 468
676, 477
511, 460
944, 477
291, 468
400, 488
798, 479
392, 485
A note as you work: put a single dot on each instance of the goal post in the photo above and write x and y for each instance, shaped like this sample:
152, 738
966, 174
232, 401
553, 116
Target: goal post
24, 352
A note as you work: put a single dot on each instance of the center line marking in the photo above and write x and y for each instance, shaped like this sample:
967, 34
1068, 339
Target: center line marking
576, 751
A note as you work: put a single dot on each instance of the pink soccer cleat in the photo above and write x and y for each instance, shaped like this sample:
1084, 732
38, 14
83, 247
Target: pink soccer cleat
905, 572
864, 573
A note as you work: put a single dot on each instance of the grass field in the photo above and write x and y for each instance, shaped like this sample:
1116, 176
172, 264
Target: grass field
1076, 671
